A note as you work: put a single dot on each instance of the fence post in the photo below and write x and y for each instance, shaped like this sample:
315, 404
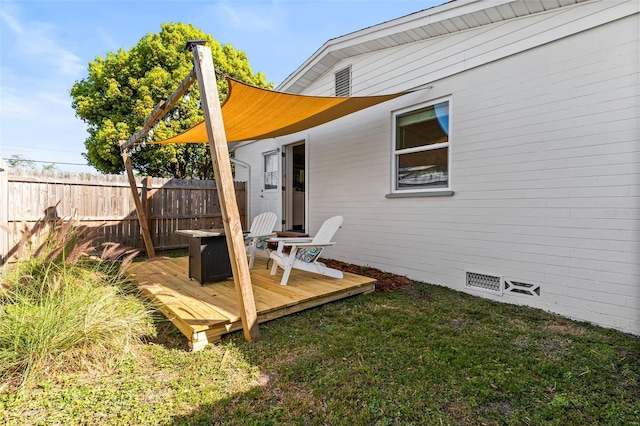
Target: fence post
4, 207
146, 202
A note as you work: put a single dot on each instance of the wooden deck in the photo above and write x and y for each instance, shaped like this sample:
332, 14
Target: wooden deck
204, 313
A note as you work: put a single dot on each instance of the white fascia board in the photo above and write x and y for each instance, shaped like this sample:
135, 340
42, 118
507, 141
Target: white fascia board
428, 16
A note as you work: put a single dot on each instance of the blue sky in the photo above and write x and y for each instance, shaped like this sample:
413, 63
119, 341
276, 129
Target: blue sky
46, 45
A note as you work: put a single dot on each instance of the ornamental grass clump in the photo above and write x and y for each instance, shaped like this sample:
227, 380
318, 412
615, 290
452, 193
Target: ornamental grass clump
63, 310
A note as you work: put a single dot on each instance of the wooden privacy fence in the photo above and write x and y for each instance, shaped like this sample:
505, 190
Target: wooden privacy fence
4, 241
105, 201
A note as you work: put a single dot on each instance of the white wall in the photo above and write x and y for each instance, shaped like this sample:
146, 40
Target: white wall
259, 200
545, 163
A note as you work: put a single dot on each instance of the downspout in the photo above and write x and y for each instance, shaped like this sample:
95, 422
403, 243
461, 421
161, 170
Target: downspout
248, 166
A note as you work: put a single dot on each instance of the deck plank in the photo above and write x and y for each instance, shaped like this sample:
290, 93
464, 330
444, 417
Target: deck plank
205, 313
190, 295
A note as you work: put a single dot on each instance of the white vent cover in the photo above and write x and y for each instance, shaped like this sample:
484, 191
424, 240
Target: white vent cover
343, 82
491, 283
518, 287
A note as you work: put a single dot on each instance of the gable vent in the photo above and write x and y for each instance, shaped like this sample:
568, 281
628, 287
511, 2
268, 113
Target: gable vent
527, 289
484, 282
343, 82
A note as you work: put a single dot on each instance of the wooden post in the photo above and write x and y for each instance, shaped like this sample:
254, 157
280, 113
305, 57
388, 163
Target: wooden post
142, 219
205, 73
4, 213
146, 202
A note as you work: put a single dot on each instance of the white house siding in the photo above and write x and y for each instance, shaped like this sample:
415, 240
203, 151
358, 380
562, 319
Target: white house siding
545, 163
258, 201
408, 66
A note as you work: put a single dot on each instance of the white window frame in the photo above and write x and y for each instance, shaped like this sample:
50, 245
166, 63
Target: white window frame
394, 153
276, 153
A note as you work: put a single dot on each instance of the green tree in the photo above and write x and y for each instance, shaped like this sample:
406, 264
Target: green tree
19, 162
51, 167
122, 89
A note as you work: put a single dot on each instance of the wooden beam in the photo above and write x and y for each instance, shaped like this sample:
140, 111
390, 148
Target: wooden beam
205, 72
142, 219
160, 110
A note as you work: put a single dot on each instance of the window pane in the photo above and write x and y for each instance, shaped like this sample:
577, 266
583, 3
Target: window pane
271, 171
426, 126
270, 163
271, 180
426, 169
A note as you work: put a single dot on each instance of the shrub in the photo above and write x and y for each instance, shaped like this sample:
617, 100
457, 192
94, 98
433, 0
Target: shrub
61, 309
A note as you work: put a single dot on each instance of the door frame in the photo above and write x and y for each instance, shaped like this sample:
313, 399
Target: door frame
287, 184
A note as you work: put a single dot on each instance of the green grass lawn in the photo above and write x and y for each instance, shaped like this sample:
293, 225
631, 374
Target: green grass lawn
421, 355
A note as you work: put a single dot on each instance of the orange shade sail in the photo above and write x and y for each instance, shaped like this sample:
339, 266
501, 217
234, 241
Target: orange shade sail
253, 113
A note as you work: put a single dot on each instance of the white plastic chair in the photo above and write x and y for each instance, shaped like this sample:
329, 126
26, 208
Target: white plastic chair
261, 229
305, 252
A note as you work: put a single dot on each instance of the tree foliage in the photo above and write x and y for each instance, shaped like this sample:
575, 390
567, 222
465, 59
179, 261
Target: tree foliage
122, 89
19, 162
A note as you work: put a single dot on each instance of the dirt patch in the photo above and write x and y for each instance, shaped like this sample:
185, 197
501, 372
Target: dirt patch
522, 341
501, 408
386, 282
563, 328
461, 413
554, 347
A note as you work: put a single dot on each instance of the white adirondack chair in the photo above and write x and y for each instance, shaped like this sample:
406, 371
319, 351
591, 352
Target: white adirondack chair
261, 229
305, 252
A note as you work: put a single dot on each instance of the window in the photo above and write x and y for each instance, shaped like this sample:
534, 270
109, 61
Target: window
270, 167
421, 148
343, 82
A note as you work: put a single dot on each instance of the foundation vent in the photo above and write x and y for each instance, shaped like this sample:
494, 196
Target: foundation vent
491, 283
518, 287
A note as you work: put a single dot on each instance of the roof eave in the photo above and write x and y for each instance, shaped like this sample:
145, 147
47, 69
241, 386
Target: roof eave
329, 53
439, 20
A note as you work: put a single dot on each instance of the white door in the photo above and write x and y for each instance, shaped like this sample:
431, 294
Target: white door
270, 191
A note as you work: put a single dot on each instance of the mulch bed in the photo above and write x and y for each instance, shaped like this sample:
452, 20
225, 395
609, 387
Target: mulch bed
386, 282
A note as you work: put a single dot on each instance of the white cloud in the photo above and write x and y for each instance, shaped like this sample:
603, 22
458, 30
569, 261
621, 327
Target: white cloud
40, 126
251, 16
36, 42
14, 106
38, 68
47, 107
108, 40
11, 22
